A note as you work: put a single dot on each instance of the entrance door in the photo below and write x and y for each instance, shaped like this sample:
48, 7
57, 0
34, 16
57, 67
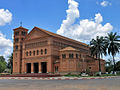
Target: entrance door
28, 67
36, 68
44, 67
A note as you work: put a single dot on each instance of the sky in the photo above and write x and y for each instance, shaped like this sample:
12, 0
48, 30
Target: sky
81, 20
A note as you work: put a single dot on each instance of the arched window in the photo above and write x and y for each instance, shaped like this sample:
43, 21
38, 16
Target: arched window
63, 55
34, 53
45, 51
37, 52
16, 47
41, 51
77, 56
30, 53
71, 55
27, 53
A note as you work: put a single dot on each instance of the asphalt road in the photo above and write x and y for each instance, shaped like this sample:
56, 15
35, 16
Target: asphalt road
98, 84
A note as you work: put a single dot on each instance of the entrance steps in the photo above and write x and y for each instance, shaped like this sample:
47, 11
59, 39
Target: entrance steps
32, 75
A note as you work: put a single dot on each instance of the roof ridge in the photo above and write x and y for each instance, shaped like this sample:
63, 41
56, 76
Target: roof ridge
54, 34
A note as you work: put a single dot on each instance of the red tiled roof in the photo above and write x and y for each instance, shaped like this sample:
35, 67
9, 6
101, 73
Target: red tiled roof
62, 37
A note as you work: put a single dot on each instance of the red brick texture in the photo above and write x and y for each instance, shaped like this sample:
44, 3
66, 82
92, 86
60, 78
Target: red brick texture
60, 54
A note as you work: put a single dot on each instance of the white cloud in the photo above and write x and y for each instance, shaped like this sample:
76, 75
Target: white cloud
5, 17
117, 58
86, 29
5, 46
105, 3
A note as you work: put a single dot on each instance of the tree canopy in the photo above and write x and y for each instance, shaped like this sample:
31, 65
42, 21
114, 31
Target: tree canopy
2, 64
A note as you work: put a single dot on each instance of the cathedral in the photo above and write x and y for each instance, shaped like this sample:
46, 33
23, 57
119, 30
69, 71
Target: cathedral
41, 51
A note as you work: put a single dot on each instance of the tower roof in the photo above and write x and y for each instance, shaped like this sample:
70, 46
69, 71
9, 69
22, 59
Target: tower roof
69, 49
20, 28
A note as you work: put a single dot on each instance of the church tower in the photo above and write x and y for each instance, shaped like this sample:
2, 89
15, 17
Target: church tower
19, 36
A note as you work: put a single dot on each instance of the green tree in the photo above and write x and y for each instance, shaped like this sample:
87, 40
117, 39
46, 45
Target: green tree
2, 64
109, 66
10, 62
117, 66
98, 48
2, 59
109, 62
113, 46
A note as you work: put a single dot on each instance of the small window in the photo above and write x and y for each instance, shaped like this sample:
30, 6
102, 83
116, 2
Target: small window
45, 51
89, 67
71, 55
77, 56
23, 33
34, 53
41, 51
16, 47
30, 53
26, 53
16, 33
17, 39
63, 55
37, 52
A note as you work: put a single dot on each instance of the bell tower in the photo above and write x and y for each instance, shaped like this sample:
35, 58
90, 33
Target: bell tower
19, 36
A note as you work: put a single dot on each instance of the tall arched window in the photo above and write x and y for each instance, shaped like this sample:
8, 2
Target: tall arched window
30, 53
71, 55
41, 51
63, 55
27, 53
34, 53
77, 56
37, 52
45, 51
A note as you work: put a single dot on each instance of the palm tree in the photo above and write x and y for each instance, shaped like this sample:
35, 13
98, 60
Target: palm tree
98, 48
113, 46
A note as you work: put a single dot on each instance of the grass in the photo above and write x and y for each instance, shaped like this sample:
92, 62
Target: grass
103, 75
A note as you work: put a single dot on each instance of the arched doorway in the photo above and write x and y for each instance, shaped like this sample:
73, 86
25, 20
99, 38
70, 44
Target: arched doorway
28, 67
36, 67
44, 67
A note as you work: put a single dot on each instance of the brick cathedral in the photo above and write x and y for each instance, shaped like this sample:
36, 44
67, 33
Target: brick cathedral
41, 51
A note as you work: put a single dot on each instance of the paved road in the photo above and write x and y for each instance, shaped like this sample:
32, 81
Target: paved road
98, 84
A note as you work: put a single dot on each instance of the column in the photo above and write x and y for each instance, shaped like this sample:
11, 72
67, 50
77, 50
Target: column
25, 69
32, 68
39, 67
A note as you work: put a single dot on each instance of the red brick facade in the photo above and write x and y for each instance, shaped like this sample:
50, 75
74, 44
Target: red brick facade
41, 51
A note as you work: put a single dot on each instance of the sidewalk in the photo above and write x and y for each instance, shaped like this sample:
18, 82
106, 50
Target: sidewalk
57, 78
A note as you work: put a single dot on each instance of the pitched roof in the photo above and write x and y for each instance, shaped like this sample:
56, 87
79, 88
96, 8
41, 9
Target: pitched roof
69, 49
20, 28
59, 36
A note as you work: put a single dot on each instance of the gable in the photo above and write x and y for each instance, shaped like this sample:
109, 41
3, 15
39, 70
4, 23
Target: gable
36, 33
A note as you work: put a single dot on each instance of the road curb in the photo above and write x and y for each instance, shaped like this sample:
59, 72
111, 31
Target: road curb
57, 78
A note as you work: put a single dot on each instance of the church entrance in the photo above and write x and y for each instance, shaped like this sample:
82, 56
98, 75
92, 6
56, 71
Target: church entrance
28, 67
44, 67
36, 67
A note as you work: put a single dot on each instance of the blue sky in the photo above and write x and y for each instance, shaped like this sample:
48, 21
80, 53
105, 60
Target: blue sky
49, 15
